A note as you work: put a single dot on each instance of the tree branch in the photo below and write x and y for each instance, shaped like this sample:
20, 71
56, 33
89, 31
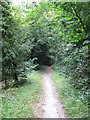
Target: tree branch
78, 16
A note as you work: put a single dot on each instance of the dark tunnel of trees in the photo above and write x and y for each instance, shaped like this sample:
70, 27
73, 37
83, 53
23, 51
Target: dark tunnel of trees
53, 33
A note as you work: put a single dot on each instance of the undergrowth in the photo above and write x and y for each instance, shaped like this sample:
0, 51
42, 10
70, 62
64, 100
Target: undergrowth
18, 102
72, 99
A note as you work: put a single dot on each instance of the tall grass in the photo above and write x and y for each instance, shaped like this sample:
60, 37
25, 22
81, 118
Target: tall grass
18, 102
74, 105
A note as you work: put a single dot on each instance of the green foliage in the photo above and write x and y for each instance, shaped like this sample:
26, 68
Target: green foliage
73, 42
15, 46
19, 102
50, 33
73, 100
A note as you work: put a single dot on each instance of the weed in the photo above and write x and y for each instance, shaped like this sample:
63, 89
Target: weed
74, 105
18, 102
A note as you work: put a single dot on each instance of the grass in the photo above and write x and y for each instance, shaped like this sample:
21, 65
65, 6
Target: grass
0, 102
18, 102
74, 106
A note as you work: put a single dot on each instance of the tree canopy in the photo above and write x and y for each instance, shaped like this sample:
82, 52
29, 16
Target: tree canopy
52, 33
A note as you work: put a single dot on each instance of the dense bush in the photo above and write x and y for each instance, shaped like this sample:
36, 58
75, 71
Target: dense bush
50, 33
74, 43
14, 47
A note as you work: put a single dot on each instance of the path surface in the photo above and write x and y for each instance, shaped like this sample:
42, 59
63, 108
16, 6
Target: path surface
49, 105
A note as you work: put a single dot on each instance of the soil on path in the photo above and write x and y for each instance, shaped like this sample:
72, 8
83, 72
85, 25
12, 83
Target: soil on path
49, 105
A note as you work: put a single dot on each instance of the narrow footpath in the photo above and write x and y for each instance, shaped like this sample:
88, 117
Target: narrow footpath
49, 105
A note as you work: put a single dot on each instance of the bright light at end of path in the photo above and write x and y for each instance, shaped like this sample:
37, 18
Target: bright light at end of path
18, 2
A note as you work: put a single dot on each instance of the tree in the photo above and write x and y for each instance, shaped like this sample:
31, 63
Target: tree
14, 46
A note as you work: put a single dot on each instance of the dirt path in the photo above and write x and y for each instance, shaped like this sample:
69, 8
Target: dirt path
49, 105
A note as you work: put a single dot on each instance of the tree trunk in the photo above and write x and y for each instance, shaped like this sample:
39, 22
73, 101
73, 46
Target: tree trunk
15, 72
5, 82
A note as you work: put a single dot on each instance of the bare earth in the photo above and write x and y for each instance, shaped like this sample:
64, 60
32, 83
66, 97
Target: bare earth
48, 106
